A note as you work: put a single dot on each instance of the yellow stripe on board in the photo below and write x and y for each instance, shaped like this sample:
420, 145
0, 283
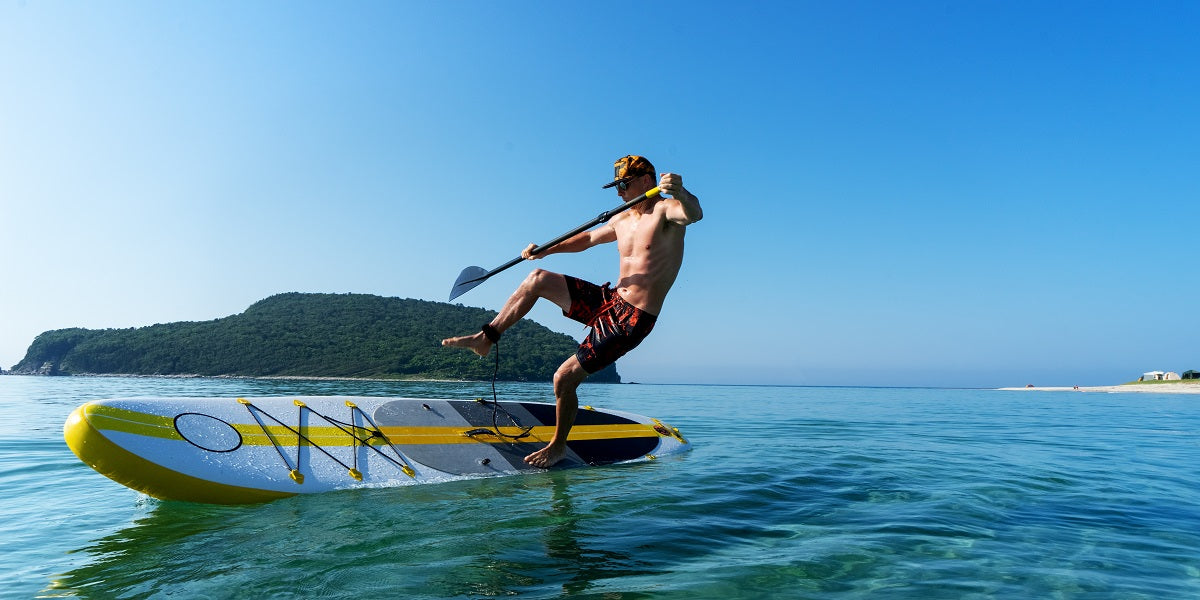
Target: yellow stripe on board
455, 435
110, 418
252, 435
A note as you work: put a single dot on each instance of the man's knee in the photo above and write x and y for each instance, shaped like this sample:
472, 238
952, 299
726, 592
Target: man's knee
549, 285
569, 375
538, 279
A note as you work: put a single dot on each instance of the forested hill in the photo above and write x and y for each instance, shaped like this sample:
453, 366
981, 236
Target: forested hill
316, 335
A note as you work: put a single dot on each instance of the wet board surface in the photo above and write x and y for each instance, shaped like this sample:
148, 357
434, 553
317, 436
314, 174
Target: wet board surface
502, 436
241, 450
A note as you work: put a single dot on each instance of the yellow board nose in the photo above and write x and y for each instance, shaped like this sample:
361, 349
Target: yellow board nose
122, 466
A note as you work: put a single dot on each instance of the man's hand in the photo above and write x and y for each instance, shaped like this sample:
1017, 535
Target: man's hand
671, 184
686, 206
528, 254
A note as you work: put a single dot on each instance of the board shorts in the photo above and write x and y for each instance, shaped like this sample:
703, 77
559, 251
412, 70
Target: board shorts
617, 326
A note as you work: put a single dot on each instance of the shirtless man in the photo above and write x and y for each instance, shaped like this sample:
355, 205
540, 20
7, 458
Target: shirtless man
649, 240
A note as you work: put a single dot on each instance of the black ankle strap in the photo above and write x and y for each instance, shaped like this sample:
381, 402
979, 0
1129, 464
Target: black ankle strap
490, 333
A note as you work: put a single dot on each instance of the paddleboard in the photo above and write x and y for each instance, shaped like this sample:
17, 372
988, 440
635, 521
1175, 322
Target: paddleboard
247, 450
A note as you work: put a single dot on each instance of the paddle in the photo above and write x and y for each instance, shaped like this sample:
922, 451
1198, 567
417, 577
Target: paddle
473, 276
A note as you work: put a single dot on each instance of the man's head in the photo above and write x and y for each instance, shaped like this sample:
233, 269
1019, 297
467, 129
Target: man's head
631, 172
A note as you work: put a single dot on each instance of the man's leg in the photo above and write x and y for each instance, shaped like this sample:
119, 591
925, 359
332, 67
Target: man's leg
539, 284
566, 381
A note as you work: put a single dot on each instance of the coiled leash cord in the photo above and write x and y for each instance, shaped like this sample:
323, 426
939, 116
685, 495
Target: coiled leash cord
493, 336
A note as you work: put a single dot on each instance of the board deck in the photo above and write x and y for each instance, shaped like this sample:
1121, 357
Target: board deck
245, 450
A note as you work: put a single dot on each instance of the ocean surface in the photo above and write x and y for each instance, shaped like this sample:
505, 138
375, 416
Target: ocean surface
789, 493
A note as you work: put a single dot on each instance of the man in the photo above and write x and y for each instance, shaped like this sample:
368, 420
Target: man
649, 240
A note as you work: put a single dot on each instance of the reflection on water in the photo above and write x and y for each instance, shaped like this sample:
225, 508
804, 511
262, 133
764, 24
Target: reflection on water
583, 558
147, 554
471, 538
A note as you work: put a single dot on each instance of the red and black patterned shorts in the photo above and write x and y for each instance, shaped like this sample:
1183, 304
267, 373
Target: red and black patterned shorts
617, 326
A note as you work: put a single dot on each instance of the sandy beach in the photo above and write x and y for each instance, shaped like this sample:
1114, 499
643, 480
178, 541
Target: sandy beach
1169, 388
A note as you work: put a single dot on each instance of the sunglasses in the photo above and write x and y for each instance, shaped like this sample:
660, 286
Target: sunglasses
623, 184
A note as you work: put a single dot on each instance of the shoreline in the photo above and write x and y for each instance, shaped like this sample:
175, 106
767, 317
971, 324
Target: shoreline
302, 378
1163, 388
257, 377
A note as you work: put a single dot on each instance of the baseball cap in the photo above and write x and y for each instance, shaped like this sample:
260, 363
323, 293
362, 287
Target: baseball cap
628, 167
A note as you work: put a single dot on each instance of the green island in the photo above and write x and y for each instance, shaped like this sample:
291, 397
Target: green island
310, 335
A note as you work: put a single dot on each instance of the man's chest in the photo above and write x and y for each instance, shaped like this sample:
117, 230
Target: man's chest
641, 230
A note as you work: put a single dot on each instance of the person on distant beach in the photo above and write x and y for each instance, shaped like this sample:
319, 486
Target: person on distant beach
649, 240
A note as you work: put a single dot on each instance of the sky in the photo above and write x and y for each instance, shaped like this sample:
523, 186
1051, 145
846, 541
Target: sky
957, 194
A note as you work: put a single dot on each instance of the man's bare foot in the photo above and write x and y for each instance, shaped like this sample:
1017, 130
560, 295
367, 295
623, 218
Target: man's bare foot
547, 457
477, 343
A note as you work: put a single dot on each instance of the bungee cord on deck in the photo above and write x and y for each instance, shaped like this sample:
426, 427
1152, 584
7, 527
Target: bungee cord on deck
352, 469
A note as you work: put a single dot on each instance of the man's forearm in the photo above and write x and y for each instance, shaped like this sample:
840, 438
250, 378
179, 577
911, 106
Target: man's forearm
691, 206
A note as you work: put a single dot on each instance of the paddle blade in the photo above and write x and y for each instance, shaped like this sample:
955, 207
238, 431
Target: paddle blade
467, 280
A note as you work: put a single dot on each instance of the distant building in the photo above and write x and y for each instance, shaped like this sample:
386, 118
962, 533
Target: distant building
1191, 375
1161, 376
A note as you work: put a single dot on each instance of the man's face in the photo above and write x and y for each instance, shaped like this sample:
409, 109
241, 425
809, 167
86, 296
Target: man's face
633, 187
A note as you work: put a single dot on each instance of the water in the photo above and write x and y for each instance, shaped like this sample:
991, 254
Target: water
789, 493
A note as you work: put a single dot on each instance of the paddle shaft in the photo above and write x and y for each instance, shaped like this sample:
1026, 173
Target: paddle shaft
601, 218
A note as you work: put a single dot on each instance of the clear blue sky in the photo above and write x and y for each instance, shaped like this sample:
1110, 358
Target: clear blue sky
895, 193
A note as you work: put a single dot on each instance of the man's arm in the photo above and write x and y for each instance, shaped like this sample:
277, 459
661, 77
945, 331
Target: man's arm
576, 243
684, 206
